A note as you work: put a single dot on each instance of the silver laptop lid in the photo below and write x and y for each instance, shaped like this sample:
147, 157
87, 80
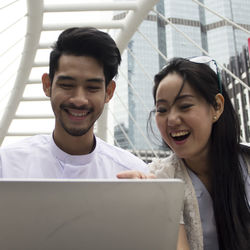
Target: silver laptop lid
90, 214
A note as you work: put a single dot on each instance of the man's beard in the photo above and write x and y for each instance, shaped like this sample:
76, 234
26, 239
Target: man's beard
75, 131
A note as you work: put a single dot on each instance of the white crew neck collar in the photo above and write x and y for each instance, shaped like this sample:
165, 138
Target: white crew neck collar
74, 159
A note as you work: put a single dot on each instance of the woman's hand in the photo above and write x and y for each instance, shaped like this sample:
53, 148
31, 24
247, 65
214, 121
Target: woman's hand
133, 174
182, 243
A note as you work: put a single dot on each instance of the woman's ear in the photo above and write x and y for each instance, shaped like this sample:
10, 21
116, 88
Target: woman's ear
219, 108
46, 84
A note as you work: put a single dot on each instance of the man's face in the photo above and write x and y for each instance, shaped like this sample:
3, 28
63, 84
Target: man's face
78, 94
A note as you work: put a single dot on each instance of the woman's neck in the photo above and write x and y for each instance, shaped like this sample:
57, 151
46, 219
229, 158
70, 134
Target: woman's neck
202, 168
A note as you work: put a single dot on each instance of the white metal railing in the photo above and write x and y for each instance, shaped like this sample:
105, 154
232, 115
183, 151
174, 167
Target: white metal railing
36, 24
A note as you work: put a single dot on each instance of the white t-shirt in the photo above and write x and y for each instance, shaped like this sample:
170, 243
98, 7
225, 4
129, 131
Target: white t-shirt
39, 157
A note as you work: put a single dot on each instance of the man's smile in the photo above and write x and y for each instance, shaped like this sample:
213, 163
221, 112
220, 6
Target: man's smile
76, 112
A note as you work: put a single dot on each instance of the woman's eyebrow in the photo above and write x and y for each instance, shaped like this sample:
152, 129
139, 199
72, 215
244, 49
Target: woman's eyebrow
159, 101
180, 97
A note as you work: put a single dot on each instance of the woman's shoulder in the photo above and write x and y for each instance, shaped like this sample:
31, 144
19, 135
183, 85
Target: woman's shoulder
165, 167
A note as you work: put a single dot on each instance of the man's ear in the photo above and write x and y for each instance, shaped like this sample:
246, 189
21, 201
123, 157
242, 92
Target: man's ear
46, 84
110, 91
219, 106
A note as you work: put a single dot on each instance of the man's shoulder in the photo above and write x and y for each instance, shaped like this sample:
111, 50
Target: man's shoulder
21, 159
27, 144
119, 155
114, 151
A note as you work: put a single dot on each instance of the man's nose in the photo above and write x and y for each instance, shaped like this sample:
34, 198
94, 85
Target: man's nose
79, 97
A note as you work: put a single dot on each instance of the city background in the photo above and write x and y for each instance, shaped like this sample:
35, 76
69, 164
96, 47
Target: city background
226, 44
148, 33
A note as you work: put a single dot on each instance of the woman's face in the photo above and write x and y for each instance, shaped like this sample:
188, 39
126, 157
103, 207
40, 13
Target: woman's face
185, 122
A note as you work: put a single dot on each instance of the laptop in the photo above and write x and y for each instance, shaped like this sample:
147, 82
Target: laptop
90, 214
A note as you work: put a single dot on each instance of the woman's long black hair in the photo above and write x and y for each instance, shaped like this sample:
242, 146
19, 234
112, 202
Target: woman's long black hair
231, 208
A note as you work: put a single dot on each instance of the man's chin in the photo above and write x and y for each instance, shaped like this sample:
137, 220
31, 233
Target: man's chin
76, 132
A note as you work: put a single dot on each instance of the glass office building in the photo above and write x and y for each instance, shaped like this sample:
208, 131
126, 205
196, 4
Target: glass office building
207, 30
224, 40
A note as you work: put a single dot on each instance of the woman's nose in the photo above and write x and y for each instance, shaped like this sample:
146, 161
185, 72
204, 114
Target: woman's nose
173, 118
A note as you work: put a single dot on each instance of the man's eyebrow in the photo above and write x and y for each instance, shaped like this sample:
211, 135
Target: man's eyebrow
65, 77
62, 77
100, 80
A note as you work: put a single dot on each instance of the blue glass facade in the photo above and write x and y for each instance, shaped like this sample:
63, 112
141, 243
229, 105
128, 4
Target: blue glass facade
206, 29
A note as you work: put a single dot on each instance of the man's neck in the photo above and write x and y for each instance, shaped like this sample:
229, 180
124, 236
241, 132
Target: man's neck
75, 145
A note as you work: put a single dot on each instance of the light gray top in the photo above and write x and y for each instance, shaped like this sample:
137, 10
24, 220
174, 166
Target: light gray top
205, 202
210, 240
173, 167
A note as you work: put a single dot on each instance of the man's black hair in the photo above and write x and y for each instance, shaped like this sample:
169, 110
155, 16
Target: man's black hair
86, 41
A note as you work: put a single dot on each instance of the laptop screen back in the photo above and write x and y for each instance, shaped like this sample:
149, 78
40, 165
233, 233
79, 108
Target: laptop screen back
90, 214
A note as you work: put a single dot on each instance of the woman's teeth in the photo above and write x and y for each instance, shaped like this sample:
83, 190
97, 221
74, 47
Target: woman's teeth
180, 133
179, 136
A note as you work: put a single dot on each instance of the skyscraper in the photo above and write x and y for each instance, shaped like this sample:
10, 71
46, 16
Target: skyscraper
223, 39
207, 30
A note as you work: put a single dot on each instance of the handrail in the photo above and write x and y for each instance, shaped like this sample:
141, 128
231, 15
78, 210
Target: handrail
133, 20
34, 26
110, 6
130, 25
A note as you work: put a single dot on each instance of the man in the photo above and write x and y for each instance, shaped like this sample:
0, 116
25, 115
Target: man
82, 66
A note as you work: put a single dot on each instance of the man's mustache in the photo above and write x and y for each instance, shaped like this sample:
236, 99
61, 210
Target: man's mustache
73, 106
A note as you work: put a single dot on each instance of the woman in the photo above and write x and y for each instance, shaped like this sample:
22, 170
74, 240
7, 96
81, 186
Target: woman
197, 121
